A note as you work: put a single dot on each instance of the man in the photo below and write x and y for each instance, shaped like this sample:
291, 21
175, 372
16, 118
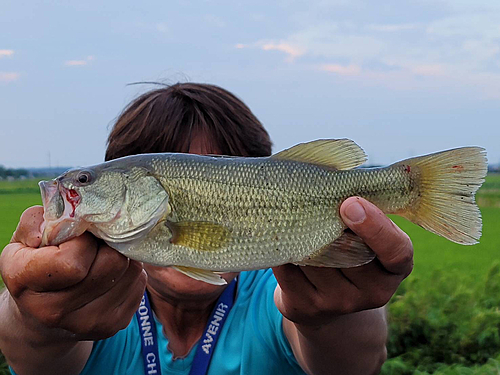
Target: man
69, 309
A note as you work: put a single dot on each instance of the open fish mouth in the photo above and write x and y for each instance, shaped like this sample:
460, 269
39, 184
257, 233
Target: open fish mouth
52, 199
59, 205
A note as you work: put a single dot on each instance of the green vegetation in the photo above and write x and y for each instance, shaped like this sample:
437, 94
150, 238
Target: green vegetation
444, 319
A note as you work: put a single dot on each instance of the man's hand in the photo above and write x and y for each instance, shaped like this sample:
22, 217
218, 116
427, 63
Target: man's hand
317, 299
79, 290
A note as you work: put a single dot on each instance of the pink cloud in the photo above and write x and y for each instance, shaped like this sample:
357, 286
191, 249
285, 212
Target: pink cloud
9, 76
6, 53
84, 62
290, 50
428, 70
347, 70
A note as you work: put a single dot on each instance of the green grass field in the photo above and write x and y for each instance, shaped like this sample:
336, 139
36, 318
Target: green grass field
444, 319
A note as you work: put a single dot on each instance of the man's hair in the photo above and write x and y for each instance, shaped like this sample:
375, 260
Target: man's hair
166, 119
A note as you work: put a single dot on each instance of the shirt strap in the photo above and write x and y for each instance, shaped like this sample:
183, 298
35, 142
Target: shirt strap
149, 338
206, 345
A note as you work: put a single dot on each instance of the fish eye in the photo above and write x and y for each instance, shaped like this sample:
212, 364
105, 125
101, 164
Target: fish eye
84, 177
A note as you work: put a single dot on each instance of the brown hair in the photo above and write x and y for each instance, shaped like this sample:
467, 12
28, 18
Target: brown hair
165, 119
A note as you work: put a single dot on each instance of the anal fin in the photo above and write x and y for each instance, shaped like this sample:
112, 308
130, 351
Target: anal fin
347, 251
201, 275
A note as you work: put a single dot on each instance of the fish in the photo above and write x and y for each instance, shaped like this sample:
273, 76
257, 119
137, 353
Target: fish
205, 215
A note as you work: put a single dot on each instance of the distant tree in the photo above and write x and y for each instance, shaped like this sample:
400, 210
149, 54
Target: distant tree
11, 172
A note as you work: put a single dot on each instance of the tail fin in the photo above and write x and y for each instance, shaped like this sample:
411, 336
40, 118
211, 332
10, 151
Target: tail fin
448, 182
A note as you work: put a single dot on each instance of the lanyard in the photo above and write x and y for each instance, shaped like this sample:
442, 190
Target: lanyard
206, 345
149, 341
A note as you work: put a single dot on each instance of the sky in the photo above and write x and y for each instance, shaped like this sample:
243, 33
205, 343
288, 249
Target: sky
400, 78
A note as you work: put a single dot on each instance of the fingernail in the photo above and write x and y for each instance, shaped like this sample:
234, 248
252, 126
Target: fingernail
42, 226
355, 212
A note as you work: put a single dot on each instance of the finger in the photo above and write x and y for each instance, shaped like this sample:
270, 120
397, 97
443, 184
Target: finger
107, 270
335, 291
112, 311
374, 282
28, 230
293, 290
329, 280
391, 245
291, 279
105, 273
47, 268
50, 309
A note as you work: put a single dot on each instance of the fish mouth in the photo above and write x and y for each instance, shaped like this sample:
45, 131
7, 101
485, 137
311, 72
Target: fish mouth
59, 204
52, 199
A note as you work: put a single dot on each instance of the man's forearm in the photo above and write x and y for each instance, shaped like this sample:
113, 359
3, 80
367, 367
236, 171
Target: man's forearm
351, 344
32, 349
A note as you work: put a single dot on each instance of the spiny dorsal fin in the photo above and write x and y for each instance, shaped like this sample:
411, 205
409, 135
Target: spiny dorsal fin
332, 153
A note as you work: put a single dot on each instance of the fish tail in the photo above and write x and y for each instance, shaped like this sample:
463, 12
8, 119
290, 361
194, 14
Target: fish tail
447, 183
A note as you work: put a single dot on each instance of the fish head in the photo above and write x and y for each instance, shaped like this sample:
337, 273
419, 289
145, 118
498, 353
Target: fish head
79, 198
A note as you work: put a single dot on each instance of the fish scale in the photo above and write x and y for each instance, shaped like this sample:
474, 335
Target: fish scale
203, 213
301, 201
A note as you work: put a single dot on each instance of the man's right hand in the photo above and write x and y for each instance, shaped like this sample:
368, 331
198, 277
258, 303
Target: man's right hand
80, 290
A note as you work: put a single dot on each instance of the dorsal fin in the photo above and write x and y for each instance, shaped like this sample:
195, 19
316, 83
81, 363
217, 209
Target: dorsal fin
332, 153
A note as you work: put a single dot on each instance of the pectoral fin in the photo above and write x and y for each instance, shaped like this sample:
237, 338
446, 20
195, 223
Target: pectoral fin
201, 275
347, 251
199, 235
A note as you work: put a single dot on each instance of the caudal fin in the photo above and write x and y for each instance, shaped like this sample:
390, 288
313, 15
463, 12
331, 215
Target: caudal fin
448, 182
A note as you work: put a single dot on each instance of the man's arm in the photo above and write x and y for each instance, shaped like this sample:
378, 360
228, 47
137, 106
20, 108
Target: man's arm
31, 349
61, 298
334, 318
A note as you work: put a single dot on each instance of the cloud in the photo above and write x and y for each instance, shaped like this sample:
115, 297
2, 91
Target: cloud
393, 28
348, 70
337, 40
214, 21
479, 25
6, 53
292, 51
75, 62
446, 51
79, 62
432, 70
161, 27
9, 76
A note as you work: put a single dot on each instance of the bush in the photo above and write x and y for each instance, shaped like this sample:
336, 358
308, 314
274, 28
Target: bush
449, 323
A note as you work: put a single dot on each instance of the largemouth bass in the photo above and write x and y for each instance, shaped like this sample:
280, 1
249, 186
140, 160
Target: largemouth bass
208, 214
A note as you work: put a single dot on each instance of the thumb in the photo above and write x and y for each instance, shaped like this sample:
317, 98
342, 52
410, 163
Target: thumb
392, 246
29, 229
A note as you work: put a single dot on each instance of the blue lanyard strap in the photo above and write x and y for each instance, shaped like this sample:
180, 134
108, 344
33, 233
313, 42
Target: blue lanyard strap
206, 345
149, 340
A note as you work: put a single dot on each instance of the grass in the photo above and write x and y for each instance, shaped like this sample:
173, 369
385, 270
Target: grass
433, 252
444, 319
12, 206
